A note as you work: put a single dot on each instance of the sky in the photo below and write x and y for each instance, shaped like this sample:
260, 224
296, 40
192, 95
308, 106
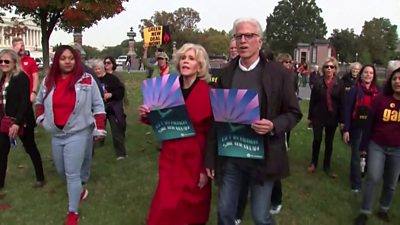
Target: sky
220, 14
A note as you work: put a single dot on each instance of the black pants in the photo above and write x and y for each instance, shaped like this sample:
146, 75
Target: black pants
329, 135
276, 196
28, 141
118, 135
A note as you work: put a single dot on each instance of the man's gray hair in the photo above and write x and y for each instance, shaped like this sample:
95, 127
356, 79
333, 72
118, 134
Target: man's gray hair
248, 20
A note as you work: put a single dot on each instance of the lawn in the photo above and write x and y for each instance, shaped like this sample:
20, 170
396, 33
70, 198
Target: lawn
120, 191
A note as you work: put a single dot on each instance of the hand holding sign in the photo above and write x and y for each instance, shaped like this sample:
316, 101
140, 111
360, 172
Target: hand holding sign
262, 126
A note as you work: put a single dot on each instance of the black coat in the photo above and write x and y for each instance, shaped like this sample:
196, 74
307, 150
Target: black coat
318, 110
18, 102
348, 82
278, 104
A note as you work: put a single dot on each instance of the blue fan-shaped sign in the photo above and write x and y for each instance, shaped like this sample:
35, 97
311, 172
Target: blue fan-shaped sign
235, 105
162, 92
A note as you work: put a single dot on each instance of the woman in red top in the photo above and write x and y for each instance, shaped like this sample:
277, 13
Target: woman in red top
183, 192
382, 135
70, 107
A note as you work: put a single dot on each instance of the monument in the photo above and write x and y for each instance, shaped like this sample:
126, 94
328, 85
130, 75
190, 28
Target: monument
131, 46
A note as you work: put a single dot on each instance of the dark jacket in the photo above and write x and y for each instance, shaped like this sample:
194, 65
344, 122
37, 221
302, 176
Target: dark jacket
348, 82
350, 106
318, 111
18, 102
314, 77
278, 104
114, 105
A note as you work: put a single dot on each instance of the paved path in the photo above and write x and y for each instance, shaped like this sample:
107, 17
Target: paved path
305, 92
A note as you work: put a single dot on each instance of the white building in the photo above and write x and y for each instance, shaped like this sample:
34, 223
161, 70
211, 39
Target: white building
32, 38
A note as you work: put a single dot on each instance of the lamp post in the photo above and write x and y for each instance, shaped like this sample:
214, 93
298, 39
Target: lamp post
131, 46
173, 50
338, 57
356, 56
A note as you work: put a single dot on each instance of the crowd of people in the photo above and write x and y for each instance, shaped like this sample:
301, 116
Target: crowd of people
74, 102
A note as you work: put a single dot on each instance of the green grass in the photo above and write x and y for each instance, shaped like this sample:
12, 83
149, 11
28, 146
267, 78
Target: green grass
120, 192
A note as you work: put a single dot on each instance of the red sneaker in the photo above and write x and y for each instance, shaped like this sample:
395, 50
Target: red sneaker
84, 194
72, 219
4, 207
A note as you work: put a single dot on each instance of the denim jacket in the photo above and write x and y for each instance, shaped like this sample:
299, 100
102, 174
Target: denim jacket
88, 104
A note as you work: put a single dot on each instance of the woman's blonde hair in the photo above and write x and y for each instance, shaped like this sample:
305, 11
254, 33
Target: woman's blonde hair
333, 61
15, 58
283, 57
201, 57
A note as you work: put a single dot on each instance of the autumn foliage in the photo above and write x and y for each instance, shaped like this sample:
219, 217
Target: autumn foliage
66, 15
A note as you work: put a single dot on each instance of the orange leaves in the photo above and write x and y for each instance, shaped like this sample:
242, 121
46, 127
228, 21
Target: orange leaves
31, 4
84, 14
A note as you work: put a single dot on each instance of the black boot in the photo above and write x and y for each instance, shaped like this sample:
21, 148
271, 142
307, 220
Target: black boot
361, 219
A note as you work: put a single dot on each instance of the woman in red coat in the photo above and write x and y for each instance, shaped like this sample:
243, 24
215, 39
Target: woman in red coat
183, 192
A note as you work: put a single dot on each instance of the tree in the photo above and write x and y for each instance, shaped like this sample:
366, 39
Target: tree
186, 19
115, 51
294, 21
346, 43
215, 42
67, 15
379, 36
91, 52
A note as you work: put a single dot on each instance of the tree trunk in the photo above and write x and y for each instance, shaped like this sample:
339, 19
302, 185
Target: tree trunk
45, 41
47, 24
45, 50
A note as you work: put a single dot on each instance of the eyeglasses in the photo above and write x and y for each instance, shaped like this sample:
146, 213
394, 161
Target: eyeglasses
160, 58
5, 61
107, 62
329, 66
287, 61
247, 36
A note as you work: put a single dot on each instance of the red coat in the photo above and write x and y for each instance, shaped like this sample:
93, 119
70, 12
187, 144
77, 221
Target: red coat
178, 200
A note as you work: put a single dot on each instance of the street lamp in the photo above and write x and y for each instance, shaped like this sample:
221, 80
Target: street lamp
131, 35
173, 50
338, 59
131, 46
356, 56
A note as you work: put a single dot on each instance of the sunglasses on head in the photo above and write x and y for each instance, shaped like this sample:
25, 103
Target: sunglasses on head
329, 66
5, 61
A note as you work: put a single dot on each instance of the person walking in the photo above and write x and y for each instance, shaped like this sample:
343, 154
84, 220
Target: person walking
113, 98
183, 194
325, 112
279, 112
356, 112
16, 115
381, 144
69, 106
